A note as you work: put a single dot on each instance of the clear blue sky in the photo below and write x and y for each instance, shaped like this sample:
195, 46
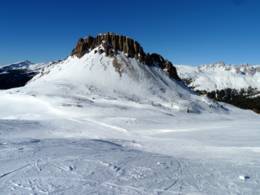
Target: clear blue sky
184, 31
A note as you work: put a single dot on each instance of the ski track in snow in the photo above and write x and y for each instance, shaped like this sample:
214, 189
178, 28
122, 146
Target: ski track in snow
64, 166
80, 128
132, 152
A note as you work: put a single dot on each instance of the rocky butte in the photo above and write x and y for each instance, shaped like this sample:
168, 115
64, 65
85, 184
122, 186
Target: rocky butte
113, 43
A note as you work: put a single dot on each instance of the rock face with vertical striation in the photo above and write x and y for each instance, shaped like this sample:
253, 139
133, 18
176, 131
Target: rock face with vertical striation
112, 44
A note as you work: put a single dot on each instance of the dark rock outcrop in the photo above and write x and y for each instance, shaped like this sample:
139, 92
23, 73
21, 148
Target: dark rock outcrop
113, 43
158, 60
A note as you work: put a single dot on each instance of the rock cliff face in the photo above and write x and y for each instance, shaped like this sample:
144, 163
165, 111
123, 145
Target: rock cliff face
113, 43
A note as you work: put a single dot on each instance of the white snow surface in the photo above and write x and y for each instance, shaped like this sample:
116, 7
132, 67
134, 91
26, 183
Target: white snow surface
218, 76
80, 128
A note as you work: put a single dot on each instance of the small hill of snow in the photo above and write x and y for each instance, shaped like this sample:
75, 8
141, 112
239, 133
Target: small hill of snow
221, 76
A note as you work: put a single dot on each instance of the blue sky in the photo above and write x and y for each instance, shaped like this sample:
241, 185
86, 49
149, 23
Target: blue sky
184, 31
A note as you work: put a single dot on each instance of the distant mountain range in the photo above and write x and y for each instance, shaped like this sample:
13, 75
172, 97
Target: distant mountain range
235, 84
17, 74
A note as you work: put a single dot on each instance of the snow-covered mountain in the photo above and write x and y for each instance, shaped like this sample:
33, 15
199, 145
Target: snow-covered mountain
235, 84
17, 65
18, 74
106, 72
221, 76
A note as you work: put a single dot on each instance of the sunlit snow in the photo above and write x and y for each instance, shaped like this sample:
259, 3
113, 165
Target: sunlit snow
80, 128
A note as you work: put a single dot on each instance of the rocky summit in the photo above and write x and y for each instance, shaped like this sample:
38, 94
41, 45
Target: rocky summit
113, 43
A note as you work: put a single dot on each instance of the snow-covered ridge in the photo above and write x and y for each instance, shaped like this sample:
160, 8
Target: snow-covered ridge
19, 64
221, 76
19, 73
24, 65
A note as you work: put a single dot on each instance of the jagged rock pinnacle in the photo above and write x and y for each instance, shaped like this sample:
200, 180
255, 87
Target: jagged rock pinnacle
113, 43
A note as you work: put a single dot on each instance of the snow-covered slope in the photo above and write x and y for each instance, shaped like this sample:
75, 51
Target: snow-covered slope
95, 75
221, 76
